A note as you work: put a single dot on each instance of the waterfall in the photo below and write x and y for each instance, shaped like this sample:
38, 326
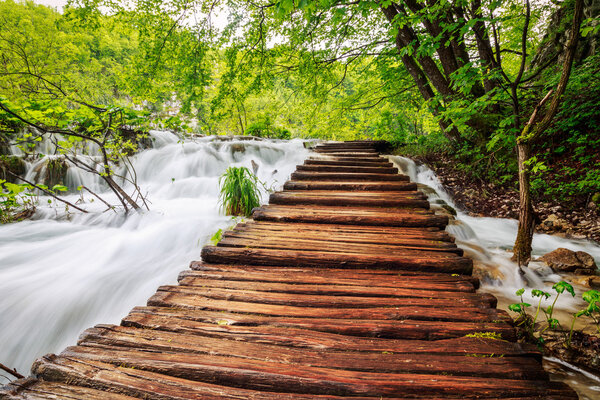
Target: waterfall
62, 273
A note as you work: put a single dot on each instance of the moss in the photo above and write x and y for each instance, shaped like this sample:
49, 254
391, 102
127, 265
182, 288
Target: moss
14, 164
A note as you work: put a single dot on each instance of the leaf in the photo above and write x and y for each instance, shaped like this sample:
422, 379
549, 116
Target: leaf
562, 286
520, 292
60, 188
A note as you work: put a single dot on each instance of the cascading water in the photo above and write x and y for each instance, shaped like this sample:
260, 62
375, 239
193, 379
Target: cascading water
489, 241
61, 273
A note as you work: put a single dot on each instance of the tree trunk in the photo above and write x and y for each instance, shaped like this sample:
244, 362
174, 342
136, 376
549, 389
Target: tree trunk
522, 248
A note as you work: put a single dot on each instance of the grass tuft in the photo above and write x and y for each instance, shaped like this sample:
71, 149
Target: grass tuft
239, 191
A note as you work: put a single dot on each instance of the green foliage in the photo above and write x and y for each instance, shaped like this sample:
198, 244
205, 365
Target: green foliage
485, 335
239, 191
14, 198
216, 238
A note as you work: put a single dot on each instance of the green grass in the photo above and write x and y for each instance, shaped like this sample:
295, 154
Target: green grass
239, 191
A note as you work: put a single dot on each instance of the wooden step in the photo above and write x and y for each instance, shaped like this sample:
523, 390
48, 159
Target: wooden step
347, 176
350, 185
351, 216
33, 389
347, 169
197, 321
354, 163
374, 199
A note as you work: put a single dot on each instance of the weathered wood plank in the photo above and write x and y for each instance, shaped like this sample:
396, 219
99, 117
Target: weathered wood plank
220, 354
363, 216
463, 298
347, 176
274, 377
349, 185
233, 239
334, 162
33, 389
413, 260
348, 199
260, 341
339, 276
347, 169
193, 320
326, 300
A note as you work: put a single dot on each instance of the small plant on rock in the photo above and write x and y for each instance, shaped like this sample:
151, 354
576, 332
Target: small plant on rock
239, 191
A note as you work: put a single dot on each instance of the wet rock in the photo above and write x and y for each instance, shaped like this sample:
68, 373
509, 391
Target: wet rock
450, 209
594, 282
565, 260
554, 222
14, 164
584, 351
427, 190
237, 148
487, 273
540, 268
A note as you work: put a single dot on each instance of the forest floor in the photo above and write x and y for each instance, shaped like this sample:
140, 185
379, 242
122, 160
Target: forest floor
484, 199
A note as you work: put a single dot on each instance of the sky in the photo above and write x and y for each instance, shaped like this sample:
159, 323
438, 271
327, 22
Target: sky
52, 3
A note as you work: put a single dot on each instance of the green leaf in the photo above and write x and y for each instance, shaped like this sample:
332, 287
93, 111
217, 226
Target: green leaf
562, 286
60, 188
520, 292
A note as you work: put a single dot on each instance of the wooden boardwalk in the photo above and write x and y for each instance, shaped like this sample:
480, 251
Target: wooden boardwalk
344, 286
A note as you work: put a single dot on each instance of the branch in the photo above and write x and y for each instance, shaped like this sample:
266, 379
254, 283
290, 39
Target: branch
13, 371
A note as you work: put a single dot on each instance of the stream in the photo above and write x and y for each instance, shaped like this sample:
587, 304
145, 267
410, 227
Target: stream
62, 272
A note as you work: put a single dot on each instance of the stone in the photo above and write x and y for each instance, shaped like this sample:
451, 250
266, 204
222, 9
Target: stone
553, 221
594, 282
565, 260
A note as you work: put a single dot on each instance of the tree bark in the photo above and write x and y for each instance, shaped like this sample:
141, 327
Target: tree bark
522, 248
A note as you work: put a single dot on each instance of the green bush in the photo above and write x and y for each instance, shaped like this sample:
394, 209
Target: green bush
239, 191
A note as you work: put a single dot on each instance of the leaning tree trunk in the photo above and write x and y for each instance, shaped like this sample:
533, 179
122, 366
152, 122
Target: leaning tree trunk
522, 248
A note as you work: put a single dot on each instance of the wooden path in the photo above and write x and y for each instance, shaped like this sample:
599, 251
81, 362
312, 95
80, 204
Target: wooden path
345, 286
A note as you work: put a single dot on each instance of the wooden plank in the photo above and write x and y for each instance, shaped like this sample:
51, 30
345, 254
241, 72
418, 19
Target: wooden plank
328, 161
337, 290
274, 377
192, 320
224, 354
350, 199
347, 169
33, 389
327, 237
412, 261
388, 232
326, 300
233, 239
181, 297
349, 185
256, 341
340, 276
347, 176
337, 215
353, 154
380, 160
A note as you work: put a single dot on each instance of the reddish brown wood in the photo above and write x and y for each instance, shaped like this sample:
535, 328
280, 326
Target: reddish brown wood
347, 199
347, 169
349, 185
347, 176
334, 162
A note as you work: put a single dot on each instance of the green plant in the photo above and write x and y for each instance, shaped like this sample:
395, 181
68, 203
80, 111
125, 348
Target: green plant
239, 191
216, 238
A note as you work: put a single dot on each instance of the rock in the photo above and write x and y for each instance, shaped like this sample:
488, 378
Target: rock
594, 282
540, 268
565, 260
553, 221
14, 164
450, 209
237, 148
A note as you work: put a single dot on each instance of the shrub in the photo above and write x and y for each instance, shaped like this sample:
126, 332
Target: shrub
239, 191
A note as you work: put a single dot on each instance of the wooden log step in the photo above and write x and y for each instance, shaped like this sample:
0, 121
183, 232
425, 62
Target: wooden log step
196, 321
316, 275
465, 298
308, 381
33, 389
233, 239
226, 355
406, 241
269, 341
345, 149
412, 261
347, 176
326, 300
387, 232
347, 169
353, 154
350, 185
310, 197
355, 163
148, 385
350, 216
355, 160
278, 305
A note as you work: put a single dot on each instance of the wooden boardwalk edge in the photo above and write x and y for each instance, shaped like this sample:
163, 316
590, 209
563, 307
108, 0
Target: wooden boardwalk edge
345, 286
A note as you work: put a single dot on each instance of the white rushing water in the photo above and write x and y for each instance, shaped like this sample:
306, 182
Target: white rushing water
59, 276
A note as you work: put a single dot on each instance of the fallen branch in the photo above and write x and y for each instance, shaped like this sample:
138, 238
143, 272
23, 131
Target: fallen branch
13, 371
49, 193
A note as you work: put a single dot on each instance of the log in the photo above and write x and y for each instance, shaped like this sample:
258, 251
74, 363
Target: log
191, 279
33, 389
380, 160
350, 199
333, 162
225, 354
347, 169
327, 300
341, 276
347, 176
353, 216
233, 239
254, 341
350, 185
179, 297
412, 261
195, 321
